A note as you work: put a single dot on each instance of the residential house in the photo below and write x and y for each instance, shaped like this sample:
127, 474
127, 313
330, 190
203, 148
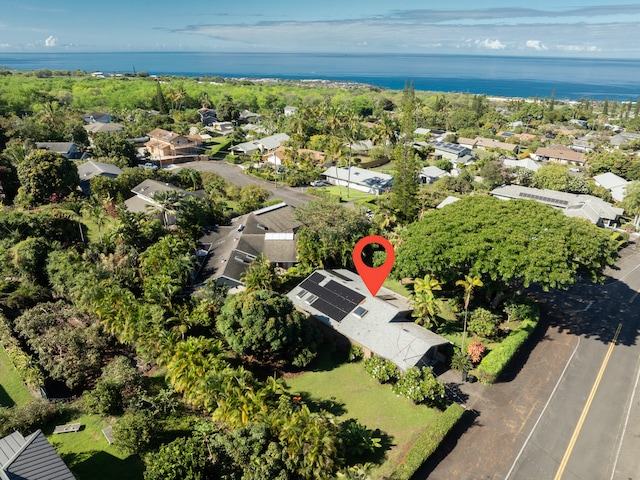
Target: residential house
221, 128
248, 117
583, 144
208, 116
277, 156
99, 127
381, 325
452, 151
623, 138
579, 123
31, 458
91, 169
264, 145
612, 182
66, 149
527, 163
368, 181
97, 117
559, 153
424, 132
482, 143
270, 231
360, 146
588, 207
145, 201
169, 147
432, 174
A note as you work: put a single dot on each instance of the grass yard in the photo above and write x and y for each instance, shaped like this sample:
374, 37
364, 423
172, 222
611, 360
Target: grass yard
12, 390
88, 454
357, 395
353, 193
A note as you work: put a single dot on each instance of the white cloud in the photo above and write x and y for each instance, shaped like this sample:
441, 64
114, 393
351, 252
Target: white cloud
490, 44
579, 48
51, 41
536, 45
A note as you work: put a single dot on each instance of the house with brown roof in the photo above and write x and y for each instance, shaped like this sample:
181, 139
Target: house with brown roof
280, 155
169, 146
482, 143
560, 154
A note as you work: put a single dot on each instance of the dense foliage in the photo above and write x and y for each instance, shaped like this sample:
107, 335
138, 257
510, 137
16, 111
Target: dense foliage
510, 245
266, 325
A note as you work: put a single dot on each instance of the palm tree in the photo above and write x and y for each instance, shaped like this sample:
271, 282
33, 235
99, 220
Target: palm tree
469, 284
260, 275
170, 203
96, 211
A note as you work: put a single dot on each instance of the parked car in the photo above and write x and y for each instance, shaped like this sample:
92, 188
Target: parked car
319, 183
150, 165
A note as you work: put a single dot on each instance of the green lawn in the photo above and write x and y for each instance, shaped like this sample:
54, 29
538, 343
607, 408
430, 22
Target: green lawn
90, 457
12, 390
357, 395
353, 193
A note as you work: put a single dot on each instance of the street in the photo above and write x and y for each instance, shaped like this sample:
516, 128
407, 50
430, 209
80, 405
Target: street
572, 411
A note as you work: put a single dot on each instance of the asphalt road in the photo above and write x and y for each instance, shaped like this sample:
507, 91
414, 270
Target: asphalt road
234, 174
571, 408
590, 429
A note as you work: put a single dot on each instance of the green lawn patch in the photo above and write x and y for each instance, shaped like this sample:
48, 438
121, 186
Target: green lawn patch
88, 454
353, 193
12, 390
354, 394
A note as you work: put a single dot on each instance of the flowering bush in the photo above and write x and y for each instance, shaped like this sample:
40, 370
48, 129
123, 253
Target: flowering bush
476, 351
419, 385
384, 371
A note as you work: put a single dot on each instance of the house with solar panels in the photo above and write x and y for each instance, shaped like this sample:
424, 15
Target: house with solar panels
588, 207
381, 325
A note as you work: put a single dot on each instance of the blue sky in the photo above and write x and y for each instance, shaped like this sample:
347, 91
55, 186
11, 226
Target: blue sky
551, 28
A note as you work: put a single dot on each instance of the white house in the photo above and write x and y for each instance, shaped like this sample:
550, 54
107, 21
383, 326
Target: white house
348, 314
612, 182
360, 179
432, 174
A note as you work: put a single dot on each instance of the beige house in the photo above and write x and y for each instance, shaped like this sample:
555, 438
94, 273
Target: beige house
561, 154
164, 145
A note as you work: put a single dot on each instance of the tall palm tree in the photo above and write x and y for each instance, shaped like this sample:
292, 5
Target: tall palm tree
468, 284
170, 203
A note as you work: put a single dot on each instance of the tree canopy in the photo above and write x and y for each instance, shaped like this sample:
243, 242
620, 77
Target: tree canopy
45, 175
266, 325
509, 245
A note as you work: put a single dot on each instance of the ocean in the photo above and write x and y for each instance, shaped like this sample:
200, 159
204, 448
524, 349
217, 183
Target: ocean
570, 78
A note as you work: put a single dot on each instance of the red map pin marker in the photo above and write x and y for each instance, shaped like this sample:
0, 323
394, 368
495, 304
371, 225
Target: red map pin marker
372, 277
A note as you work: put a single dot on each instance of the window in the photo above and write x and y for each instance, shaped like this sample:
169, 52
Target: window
360, 312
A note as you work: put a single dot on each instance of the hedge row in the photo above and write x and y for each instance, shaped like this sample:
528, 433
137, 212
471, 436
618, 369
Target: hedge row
424, 447
31, 375
499, 357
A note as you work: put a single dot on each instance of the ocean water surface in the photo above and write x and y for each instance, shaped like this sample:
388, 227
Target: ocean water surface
571, 78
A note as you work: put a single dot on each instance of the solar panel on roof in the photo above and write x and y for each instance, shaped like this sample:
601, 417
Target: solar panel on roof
344, 292
332, 311
332, 299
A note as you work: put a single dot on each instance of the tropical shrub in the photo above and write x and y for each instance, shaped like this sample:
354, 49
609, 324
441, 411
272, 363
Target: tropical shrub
476, 351
355, 353
484, 323
384, 371
419, 385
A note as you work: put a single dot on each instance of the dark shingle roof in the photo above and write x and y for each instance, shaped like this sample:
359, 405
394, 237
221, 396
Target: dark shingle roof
32, 458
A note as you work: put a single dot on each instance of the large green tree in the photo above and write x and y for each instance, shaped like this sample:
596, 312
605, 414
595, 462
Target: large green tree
45, 175
329, 233
510, 245
266, 325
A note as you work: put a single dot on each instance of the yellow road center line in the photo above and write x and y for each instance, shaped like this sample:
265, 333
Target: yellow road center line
587, 406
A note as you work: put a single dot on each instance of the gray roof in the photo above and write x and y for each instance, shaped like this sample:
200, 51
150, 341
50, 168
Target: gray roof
148, 188
589, 207
624, 137
58, 147
270, 230
360, 176
100, 127
448, 201
273, 141
610, 180
433, 171
527, 163
91, 169
451, 148
383, 328
31, 458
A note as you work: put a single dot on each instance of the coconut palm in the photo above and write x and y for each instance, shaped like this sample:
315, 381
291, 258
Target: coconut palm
468, 284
